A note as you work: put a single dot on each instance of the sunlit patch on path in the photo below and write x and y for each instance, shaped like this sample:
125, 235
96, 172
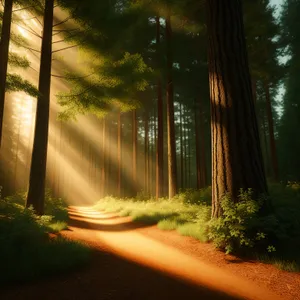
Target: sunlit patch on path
121, 237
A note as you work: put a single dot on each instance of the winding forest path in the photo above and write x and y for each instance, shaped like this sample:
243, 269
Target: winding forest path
132, 261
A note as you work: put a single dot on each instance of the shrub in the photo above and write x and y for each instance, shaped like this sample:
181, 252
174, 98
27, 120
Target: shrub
238, 227
27, 251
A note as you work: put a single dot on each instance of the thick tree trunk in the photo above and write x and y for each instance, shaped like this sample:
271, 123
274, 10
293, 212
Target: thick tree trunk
160, 125
36, 193
134, 152
119, 154
271, 132
172, 172
4, 51
236, 153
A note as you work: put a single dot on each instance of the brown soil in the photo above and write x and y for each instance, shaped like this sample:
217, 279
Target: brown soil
132, 261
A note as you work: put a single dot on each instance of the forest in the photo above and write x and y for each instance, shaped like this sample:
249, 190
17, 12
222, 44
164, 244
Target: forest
134, 127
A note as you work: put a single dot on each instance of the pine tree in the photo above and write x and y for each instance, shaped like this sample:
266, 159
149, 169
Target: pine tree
36, 192
237, 159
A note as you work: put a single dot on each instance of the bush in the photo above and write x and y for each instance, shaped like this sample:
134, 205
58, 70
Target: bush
195, 197
27, 251
240, 225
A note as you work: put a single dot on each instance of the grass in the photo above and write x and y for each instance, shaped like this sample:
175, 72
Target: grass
27, 250
193, 230
281, 264
189, 214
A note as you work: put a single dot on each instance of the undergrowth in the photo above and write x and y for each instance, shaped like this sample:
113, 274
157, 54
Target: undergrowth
27, 250
273, 237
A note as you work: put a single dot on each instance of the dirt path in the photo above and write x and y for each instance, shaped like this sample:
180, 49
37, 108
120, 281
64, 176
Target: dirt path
131, 261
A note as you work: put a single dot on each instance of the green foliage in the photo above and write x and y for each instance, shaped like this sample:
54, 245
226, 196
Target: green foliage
15, 83
234, 230
170, 223
56, 207
242, 229
112, 84
193, 230
192, 196
27, 251
16, 60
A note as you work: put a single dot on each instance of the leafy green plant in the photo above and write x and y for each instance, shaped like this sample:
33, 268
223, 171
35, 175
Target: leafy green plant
234, 229
27, 251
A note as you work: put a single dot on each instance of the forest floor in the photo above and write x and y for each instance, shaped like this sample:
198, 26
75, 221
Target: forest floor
133, 261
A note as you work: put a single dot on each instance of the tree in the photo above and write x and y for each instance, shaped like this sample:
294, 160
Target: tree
36, 192
160, 123
172, 168
236, 155
289, 143
4, 46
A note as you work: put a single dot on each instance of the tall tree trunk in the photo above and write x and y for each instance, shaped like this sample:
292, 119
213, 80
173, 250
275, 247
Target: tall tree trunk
160, 125
271, 132
236, 153
134, 152
4, 51
172, 172
119, 153
36, 193
197, 142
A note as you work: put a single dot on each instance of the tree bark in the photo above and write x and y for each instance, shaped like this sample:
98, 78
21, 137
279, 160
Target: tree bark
4, 51
172, 171
236, 153
160, 125
271, 132
197, 142
36, 193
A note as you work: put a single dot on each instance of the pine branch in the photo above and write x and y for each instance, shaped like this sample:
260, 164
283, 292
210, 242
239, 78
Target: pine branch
72, 78
32, 32
69, 47
62, 22
76, 95
24, 8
